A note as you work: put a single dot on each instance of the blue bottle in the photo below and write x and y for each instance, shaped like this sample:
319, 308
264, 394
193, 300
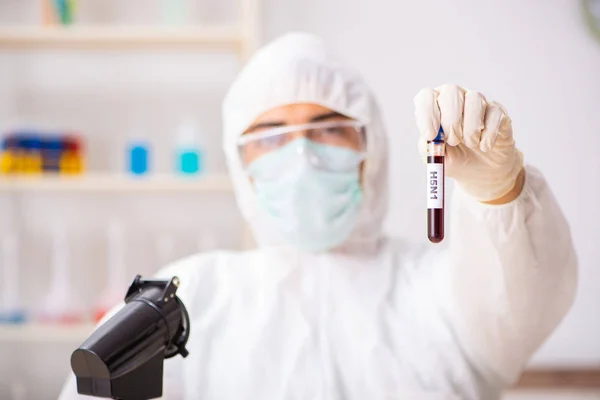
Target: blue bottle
189, 161
52, 148
138, 157
189, 155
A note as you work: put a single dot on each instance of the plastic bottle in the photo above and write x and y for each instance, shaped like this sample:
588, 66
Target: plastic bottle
32, 157
138, 148
11, 311
52, 149
71, 159
189, 154
117, 279
66, 11
138, 156
49, 16
62, 303
8, 155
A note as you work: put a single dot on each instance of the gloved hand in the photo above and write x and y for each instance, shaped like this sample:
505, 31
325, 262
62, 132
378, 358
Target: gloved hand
480, 150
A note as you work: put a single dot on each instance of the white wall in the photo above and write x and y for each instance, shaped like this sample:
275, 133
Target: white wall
536, 57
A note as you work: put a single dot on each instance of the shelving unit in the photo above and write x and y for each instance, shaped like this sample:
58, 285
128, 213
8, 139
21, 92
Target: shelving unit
114, 183
91, 37
42, 333
240, 37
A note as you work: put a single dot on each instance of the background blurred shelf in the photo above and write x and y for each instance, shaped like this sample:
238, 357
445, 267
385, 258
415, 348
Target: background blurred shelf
19, 37
45, 333
115, 183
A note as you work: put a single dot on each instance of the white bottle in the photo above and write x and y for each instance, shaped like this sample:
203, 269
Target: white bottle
189, 154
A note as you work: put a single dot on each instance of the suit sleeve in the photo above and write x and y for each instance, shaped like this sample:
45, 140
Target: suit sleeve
509, 276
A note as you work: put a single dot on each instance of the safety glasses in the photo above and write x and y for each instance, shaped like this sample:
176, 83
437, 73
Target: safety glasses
346, 135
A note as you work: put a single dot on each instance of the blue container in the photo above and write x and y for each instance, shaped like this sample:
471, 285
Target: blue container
190, 161
52, 149
139, 155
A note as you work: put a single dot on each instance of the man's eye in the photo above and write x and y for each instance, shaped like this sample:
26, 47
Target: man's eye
324, 132
336, 130
270, 141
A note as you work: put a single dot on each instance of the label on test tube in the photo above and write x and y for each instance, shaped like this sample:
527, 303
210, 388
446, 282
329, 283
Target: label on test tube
435, 186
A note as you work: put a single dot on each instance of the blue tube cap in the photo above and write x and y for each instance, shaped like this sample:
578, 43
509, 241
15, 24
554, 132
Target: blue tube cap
440, 136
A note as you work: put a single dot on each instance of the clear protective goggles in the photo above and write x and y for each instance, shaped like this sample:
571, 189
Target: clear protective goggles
345, 135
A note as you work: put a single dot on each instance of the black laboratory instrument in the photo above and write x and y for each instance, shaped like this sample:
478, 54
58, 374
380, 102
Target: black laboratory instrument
123, 359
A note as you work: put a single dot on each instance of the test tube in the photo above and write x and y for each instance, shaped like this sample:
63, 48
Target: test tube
117, 278
10, 309
435, 188
62, 303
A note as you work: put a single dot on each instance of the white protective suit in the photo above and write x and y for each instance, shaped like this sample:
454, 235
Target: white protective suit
377, 318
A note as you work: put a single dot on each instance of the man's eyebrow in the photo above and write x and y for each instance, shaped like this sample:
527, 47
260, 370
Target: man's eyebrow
275, 124
263, 125
330, 115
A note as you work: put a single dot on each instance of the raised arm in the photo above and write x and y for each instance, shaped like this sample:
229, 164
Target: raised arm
510, 272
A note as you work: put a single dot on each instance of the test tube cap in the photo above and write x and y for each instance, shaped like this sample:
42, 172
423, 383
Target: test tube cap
440, 136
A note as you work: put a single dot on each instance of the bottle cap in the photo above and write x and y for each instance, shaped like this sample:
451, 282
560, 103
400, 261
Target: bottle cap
188, 133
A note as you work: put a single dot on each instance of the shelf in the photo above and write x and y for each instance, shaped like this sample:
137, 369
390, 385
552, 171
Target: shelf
45, 333
115, 183
119, 36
